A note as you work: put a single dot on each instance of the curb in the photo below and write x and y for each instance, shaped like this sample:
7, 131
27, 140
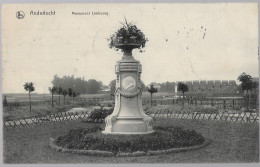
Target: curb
53, 146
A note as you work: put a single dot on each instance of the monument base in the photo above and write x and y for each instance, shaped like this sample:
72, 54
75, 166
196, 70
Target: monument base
126, 133
128, 126
128, 116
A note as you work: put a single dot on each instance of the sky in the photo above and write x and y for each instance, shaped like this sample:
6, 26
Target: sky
211, 41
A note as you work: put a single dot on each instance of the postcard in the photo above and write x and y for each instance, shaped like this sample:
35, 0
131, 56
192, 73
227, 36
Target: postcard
86, 83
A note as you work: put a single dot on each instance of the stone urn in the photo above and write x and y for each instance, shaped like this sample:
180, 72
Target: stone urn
128, 116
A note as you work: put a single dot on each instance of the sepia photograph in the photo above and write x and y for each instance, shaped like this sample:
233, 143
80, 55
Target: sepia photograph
130, 83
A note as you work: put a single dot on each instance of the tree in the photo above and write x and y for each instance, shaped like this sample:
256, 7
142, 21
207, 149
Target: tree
64, 93
74, 94
142, 86
167, 87
93, 86
247, 85
5, 101
70, 92
152, 90
182, 88
78, 84
52, 91
59, 91
28, 86
112, 86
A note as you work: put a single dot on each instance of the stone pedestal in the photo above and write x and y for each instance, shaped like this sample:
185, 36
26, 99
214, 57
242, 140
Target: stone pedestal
128, 116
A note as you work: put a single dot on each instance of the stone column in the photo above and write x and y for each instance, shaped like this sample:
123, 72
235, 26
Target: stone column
128, 116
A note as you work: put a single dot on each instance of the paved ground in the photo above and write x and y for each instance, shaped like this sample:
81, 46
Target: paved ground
231, 142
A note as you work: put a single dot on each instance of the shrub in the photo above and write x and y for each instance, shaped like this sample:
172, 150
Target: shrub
86, 103
209, 110
6, 117
99, 114
61, 108
108, 103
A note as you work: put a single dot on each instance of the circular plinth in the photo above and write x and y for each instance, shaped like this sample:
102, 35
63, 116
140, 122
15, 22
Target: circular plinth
129, 126
127, 133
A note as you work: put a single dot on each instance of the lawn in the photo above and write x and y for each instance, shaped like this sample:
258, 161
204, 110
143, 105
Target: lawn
18, 104
231, 142
43, 109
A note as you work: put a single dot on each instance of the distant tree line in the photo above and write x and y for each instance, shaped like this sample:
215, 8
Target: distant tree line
78, 85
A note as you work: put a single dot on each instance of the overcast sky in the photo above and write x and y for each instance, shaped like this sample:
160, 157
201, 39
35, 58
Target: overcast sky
186, 42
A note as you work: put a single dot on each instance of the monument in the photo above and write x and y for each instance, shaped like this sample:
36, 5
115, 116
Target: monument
128, 116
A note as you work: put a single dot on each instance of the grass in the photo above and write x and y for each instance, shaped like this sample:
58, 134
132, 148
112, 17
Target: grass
159, 95
43, 109
178, 109
25, 97
40, 109
184, 109
230, 143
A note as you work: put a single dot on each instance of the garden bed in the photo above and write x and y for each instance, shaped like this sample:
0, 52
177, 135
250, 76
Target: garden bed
165, 139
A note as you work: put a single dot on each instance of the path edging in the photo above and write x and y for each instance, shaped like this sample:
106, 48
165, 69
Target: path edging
53, 146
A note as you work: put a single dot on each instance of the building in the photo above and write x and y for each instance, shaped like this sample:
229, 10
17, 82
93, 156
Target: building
211, 87
164, 87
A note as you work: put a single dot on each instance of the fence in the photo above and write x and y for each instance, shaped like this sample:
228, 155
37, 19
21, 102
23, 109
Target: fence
165, 113
244, 117
43, 119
